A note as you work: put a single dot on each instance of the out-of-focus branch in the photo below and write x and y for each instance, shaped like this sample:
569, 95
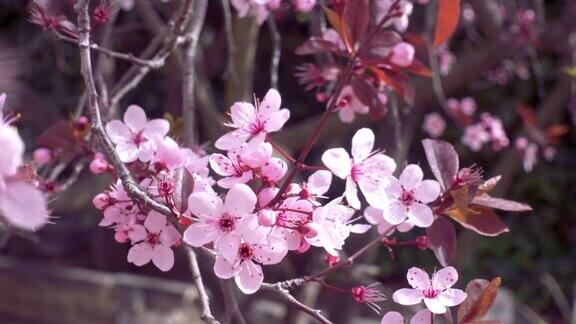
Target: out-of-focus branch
203, 294
128, 181
276, 51
170, 39
279, 290
231, 308
193, 32
227, 13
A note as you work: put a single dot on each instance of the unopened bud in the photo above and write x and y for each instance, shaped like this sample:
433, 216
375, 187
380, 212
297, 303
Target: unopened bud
101, 201
42, 156
267, 217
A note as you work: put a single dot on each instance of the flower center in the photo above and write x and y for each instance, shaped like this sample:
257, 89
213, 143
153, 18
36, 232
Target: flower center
153, 239
245, 252
138, 139
431, 293
344, 101
256, 127
226, 223
407, 197
355, 173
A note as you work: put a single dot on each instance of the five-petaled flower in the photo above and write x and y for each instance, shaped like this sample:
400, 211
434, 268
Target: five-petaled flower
371, 171
436, 293
254, 123
408, 198
137, 138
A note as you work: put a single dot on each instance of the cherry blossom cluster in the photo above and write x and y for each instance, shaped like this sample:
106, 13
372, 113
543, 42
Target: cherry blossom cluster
22, 204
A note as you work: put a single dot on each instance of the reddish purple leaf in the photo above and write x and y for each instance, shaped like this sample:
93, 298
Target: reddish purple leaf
356, 17
442, 240
443, 161
368, 95
378, 50
480, 219
315, 45
58, 136
501, 204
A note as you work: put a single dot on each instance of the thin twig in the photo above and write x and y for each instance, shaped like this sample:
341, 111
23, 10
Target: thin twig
558, 295
197, 276
276, 51
231, 307
278, 289
126, 178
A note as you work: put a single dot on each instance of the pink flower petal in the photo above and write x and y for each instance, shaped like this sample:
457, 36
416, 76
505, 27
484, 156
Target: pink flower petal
362, 144
428, 191
243, 114
420, 215
338, 161
276, 120
227, 244
155, 222
224, 269
157, 128
351, 194
222, 165
137, 233
418, 278
452, 297
395, 213
23, 206
140, 254
135, 118
205, 204
127, 152
240, 200
231, 140
411, 176
270, 104
118, 131
435, 305
271, 253
319, 182
199, 234
444, 278
250, 277
422, 317
406, 296
230, 182
392, 318
163, 257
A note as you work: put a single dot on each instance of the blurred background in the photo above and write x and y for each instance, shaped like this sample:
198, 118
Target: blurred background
73, 271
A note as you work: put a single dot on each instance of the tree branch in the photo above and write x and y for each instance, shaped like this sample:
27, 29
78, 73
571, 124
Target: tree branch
197, 276
128, 181
279, 290
276, 51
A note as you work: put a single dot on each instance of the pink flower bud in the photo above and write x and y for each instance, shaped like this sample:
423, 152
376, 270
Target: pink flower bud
267, 217
121, 237
81, 123
331, 260
101, 201
99, 165
293, 189
402, 54
274, 170
321, 97
266, 195
42, 156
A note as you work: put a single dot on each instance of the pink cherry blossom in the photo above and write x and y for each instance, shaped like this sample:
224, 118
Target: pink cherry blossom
408, 198
168, 155
136, 138
222, 222
317, 185
349, 105
370, 295
244, 263
366, 169
423, 316
273, 170
333, 223
254, 123
475, 136
231, 167
434, 125
257, 8
436, 293
154, 242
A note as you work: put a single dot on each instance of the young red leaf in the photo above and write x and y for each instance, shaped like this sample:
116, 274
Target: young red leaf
481, 296
447, 20
356, 16
480, 219
418, 68
379, 47
442, 240
368, 95
501, 204
443, 161
315, 45
399, 82
58, 136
